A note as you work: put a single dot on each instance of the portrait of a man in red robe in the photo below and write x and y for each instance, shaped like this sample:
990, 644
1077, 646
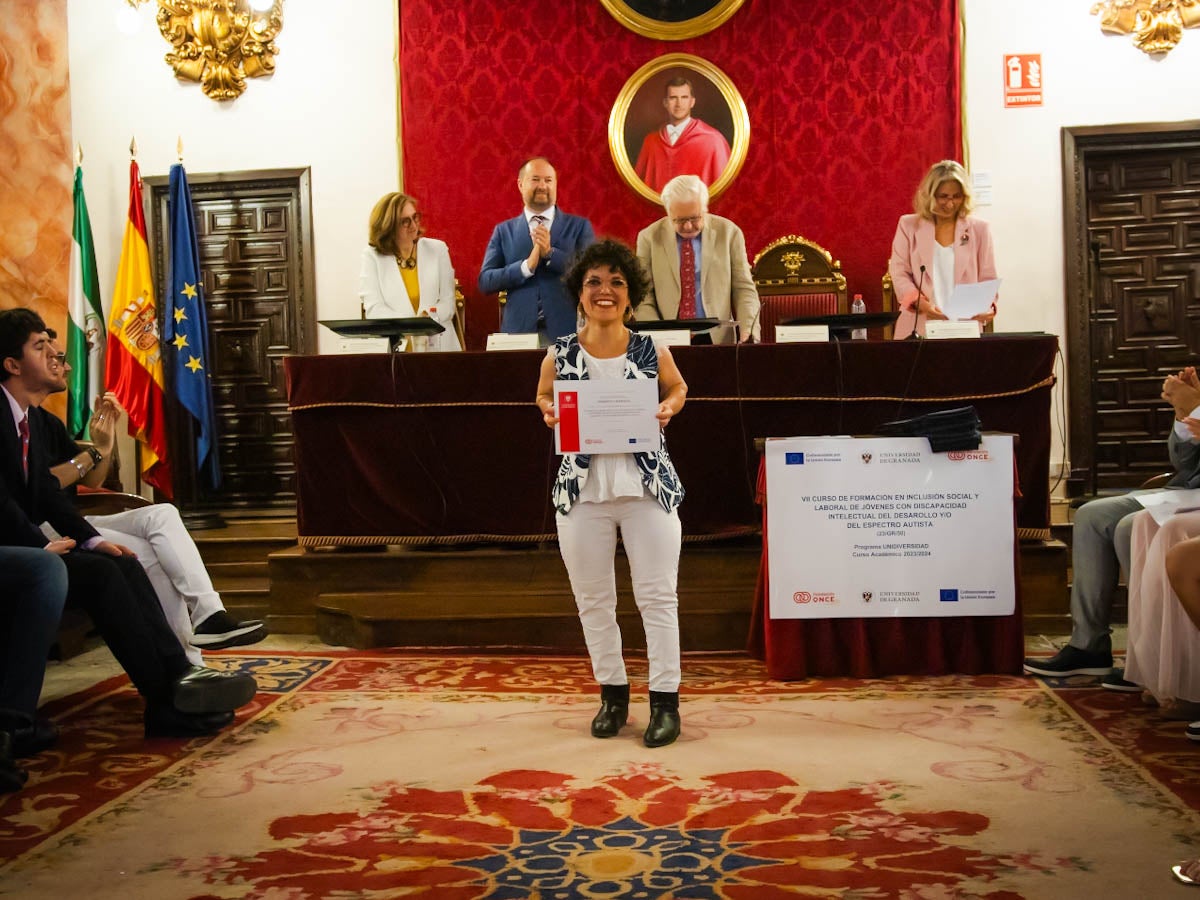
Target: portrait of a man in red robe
684, 144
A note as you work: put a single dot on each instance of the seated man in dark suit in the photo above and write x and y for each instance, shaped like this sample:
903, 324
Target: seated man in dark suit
527, 256
33, 582
103, 578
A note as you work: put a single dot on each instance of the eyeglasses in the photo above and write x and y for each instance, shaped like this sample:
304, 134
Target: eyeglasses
58, 359
410, 221
694, 221
594, 284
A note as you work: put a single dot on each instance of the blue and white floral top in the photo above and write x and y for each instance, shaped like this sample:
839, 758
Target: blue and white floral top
658, 473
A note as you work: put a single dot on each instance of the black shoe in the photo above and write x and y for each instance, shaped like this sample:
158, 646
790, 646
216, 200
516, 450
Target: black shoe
162, 721
1116, 682
614, 710
41, 735
221, 630
204, 690
664, 719
1071, 661
12, 778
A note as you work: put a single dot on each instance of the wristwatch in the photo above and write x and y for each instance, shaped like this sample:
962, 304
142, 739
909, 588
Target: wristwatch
96, 455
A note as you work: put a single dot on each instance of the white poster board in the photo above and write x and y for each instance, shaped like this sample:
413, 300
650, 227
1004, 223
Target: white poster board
883, 527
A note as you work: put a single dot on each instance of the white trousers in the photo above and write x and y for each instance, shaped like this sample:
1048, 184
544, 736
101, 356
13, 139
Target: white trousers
172, 563
587, 539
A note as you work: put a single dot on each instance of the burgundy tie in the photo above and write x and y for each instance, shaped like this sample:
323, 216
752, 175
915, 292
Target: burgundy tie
23, 431
687, 280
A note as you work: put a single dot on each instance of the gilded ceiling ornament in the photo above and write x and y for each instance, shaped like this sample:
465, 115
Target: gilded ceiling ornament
220, 42
1156, 25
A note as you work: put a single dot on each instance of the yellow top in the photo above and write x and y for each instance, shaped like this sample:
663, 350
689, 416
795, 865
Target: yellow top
412, 286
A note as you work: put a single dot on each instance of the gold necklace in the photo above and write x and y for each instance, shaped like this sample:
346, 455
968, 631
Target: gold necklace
407, 262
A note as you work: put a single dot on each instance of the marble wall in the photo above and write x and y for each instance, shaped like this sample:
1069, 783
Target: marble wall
35, 157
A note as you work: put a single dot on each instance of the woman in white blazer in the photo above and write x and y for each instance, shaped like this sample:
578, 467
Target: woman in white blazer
405, 274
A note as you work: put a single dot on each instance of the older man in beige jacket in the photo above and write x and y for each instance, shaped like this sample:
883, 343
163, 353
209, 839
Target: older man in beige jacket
697, 264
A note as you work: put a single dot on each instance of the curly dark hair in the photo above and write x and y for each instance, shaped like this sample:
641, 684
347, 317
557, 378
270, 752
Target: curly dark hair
614, 255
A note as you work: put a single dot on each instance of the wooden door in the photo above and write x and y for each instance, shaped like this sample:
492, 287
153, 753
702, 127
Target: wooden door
1133, 294
254, 231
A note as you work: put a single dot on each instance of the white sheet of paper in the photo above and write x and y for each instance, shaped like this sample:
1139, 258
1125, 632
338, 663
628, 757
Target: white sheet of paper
801, 334
971, 299
1164, 504
502, 341
941, 328
606, 416
676, 337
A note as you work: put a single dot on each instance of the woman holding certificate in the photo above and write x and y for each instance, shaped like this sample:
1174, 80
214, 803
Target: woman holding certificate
936, 247
636, 493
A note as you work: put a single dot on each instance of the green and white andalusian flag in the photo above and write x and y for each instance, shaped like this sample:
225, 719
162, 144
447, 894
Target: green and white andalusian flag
86, 334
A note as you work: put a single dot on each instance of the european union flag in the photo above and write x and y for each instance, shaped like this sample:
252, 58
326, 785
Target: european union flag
185, 329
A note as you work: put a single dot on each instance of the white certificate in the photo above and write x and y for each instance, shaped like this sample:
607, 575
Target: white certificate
606, 416
972, 299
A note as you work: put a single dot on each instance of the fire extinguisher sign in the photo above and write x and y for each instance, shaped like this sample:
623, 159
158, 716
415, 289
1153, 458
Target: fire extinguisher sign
1023, 79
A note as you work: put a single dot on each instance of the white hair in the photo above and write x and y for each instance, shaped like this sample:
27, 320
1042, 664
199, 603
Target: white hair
682, 188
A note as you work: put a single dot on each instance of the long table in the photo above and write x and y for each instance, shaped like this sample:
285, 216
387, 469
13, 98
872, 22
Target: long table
448, 447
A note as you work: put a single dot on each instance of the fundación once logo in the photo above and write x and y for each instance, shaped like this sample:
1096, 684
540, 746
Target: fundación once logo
807, 597
960, 455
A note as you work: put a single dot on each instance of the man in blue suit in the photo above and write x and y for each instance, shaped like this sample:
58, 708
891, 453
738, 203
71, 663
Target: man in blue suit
527, 256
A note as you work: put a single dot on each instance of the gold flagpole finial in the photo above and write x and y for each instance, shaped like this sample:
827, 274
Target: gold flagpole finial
133, 148
179, 148
79, 154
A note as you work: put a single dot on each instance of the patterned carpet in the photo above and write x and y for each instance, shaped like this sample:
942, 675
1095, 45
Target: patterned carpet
374, 774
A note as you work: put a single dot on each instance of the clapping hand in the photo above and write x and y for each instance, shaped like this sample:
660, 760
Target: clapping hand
1182, 391
103, 427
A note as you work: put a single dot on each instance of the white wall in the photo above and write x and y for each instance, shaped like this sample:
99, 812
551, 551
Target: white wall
330, 105
1090, 78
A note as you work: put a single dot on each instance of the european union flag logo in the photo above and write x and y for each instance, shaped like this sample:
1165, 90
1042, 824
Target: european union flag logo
793, 459
949, 595
185, 329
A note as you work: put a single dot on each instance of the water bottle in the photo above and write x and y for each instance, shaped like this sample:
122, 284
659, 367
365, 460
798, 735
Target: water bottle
858, 308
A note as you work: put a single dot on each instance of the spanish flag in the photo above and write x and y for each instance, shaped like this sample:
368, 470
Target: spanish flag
134, 367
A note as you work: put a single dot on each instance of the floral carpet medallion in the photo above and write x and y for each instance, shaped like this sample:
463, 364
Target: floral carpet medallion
371, 775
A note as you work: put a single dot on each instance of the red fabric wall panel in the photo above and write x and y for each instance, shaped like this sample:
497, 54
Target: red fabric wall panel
850, 101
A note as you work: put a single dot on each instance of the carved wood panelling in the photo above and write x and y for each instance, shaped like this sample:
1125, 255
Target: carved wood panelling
255, 251
1135, 202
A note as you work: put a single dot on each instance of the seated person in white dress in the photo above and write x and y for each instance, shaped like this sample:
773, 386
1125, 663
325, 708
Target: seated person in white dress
405, 274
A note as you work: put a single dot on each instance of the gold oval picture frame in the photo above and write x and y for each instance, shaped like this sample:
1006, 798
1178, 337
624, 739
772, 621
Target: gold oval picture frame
638, 112
671, 20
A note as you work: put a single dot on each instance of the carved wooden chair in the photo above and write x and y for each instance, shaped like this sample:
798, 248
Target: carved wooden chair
460, 315
797, 277
888, 303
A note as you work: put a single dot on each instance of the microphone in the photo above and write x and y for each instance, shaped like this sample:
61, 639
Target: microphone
753, 322
914, 336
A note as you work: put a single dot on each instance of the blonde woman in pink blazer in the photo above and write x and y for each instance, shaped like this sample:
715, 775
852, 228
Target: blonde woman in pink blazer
938, 246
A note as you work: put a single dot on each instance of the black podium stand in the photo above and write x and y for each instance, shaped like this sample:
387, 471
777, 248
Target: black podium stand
392, 329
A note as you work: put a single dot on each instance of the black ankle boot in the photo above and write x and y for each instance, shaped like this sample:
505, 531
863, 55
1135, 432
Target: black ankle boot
664, 719
614, 710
